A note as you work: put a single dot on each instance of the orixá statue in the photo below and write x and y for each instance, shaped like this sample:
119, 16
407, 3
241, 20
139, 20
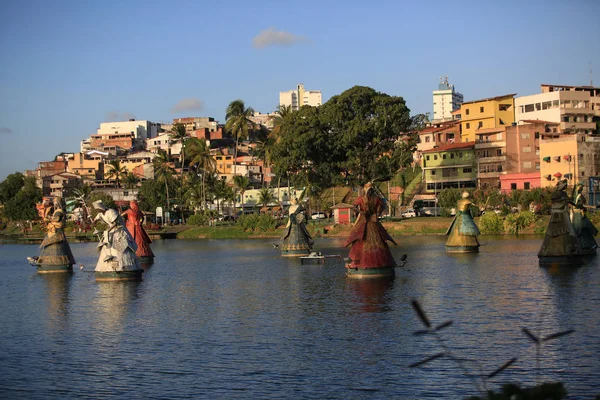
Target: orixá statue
462, 232
134, 222
296, 240
584, 229
56, 255
560, 246
117, 259
370, 255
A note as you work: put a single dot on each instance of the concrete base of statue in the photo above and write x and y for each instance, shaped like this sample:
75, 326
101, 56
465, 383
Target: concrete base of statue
131, 275
561, 261
355, 272
295, 252
54, 269
462, 249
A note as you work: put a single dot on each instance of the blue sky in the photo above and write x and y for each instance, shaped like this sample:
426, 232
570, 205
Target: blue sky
67, 66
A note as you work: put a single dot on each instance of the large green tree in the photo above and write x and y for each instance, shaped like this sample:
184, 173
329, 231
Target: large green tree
199, 155
116, 171
20, 206
358, 136
152, 194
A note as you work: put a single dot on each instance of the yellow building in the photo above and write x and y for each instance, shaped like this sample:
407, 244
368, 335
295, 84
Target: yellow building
90, 166
491, 113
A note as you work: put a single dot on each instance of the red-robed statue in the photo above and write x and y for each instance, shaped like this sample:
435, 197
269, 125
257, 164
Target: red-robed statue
370, 255
134, 223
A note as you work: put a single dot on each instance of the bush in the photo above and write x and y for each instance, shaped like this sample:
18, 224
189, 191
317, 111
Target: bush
491, 223
255, 222
514, 223
198, 220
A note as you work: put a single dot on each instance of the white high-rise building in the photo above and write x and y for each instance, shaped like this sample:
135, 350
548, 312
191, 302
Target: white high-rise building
140, 129
445, 101
300, 97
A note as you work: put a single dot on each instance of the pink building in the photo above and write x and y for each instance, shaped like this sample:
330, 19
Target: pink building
522, 169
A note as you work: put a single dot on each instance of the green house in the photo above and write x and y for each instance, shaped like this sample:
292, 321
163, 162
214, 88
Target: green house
450, 166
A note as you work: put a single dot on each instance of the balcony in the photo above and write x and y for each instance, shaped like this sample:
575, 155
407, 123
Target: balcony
487, 175
491, 159
488, 144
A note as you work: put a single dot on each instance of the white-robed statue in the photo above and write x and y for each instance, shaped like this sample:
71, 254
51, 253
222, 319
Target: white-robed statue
117, 259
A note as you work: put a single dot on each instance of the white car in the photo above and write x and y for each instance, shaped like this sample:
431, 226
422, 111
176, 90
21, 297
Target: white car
318, 216
409, 214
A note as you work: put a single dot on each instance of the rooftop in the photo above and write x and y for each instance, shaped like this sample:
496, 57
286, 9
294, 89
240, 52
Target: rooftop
506, 96
452, 146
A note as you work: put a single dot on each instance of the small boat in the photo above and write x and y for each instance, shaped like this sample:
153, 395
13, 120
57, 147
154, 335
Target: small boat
318, 258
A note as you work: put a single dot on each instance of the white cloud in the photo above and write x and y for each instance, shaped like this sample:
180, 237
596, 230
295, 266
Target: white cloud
273, 37
116, 116
188, 104
5, 130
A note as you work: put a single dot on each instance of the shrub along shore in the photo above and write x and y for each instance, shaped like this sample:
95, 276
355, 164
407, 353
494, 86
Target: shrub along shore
489, 224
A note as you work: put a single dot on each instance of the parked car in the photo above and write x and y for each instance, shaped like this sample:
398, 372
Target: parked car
409, 214
318, 215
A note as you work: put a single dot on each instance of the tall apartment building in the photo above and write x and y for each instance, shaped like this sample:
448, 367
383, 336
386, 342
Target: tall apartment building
573, 107
445, 100
300, 97
478, 116
196, 123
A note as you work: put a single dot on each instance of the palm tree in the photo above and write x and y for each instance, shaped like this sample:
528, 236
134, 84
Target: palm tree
220, 192
194, 196
265, 196
283, 115
238, 124
131, 181
116, 171
179, 134
163, 171
241, 182
199, 154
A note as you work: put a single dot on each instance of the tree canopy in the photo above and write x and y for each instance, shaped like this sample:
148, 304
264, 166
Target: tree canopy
19, 201
358, 136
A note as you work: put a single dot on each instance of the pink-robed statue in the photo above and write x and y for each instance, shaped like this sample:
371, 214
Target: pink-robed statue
134, 223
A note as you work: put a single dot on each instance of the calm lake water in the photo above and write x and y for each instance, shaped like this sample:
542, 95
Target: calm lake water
232, 319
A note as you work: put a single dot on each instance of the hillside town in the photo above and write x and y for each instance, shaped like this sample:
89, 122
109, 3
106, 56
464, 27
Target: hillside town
505, 142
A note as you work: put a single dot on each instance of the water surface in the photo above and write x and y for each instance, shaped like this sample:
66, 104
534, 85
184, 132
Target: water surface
233, 320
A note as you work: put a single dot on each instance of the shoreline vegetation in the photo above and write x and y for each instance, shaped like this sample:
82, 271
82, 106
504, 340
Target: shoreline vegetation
421, 226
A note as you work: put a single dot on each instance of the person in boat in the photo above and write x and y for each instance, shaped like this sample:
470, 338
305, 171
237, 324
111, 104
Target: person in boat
584, 229
55, 247
368, 238
296, 240
560, 239
134, 222
117, 247
462, 232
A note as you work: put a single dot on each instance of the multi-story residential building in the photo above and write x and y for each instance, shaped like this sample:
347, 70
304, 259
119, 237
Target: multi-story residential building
89, 166
46, 168
491, 113
445, 101
573, 107
114, 144
490, 153
164, 142
266, 120
139, 129
575, 157
522, 166
439, 134
195, 123
134, 160
61, 184
300, 97
450, 166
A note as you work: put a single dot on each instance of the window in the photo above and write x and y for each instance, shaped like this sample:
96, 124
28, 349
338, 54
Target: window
433, 172
427, 157
513, 186
451, 155
524, 135
537, 135
459, 155
466, 111
546, 105
526, 185
529, 108
468, 126
555, 104
498, 152
538, 106
501, 122
467, 170
480, 125
444, 156
526, 164
480, 109
427, 139
526, 149
435, 156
